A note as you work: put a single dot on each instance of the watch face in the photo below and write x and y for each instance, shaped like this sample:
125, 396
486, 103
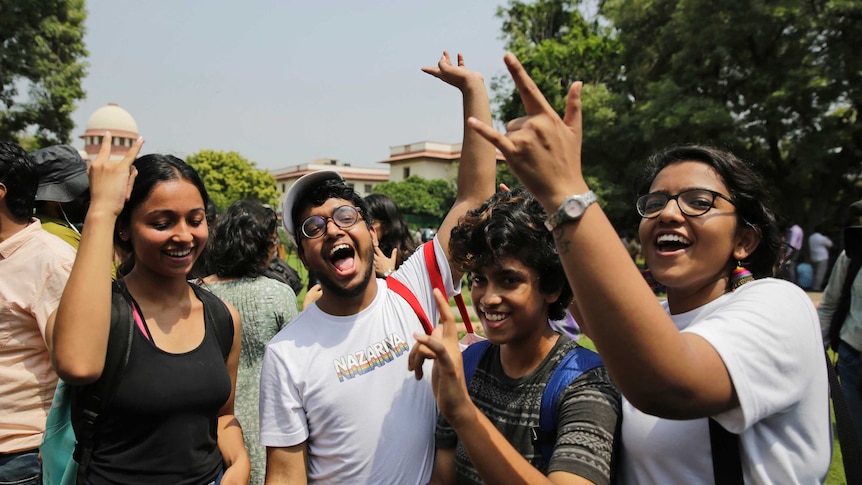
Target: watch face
573, 208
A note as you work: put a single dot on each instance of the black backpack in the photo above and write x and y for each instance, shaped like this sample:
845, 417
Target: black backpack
279, 270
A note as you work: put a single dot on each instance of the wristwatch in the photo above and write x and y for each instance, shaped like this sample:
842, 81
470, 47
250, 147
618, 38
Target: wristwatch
571, 209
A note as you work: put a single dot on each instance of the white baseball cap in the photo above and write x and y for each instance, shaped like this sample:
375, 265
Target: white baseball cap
299, 188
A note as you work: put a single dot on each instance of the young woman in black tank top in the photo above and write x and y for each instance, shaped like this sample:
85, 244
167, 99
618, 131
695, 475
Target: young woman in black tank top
171, 419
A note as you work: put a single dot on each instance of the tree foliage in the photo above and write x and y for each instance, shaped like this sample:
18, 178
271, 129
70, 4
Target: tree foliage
41, 68
775, 81
418, 196
230, 177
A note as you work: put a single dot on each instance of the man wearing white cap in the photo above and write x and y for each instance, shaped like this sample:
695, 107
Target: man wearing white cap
337, 403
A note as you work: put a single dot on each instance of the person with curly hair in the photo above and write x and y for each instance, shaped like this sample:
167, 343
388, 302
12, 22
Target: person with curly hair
485, 431
242, 246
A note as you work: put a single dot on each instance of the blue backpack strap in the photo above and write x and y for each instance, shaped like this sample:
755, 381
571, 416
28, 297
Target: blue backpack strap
471, 356
572, 365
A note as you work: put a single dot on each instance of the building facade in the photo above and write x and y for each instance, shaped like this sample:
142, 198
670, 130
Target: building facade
362, 179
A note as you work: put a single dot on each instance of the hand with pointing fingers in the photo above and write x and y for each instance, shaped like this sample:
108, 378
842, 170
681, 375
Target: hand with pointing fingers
458, 76
447, 376
543, 150
111, 181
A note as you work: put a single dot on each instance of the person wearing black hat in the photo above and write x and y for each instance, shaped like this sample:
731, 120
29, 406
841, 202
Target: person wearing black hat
63, 195
840, 313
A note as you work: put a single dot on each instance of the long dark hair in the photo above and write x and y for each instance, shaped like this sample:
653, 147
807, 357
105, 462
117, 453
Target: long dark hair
750, 197
152, 169
242, 240
512, 224
394, 232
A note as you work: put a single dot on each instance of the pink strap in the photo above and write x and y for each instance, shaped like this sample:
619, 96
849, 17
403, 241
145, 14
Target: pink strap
139, 321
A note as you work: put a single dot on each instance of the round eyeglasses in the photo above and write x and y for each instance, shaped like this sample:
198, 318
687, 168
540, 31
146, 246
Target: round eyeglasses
344, 216
693, 203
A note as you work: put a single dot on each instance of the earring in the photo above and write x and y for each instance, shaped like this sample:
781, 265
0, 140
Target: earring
740, 276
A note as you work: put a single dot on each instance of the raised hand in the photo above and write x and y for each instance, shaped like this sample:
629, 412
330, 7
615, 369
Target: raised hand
111, 181
383, 264
312, 295
543, 150
447, 377
458, 76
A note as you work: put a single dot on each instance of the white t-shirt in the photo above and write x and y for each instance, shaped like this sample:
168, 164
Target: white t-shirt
342, 384
818, 247
767, 334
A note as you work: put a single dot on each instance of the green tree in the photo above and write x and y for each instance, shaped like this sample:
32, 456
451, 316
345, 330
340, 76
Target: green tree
418, 196
558, 45
230, 177
777, 82
41, 68
772, 80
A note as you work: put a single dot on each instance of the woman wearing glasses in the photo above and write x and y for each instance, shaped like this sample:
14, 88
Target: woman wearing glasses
723, 353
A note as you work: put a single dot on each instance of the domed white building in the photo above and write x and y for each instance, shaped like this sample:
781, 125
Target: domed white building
119, 122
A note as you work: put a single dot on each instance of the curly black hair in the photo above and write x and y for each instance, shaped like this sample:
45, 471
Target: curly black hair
511, 224
242, 240
750, 196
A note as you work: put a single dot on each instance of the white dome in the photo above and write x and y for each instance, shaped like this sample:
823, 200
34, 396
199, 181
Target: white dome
112, 117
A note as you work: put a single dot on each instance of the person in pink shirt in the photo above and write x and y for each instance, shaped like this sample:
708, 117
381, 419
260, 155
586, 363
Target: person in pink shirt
34, 267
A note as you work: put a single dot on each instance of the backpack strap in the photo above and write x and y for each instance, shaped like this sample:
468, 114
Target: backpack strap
471, 357
437, 282
398, 287
96, 396
216, 310
726, 460
571, 366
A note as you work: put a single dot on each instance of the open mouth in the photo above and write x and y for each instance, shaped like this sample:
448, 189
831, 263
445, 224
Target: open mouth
342, 258
671, 242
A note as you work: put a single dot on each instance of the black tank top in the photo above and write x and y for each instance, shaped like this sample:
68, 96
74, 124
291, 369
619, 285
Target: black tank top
161, 425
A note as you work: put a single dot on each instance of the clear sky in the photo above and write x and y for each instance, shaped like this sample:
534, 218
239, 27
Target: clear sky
285, 82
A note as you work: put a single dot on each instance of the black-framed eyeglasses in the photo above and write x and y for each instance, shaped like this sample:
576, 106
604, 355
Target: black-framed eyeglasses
344, 216
693, 203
